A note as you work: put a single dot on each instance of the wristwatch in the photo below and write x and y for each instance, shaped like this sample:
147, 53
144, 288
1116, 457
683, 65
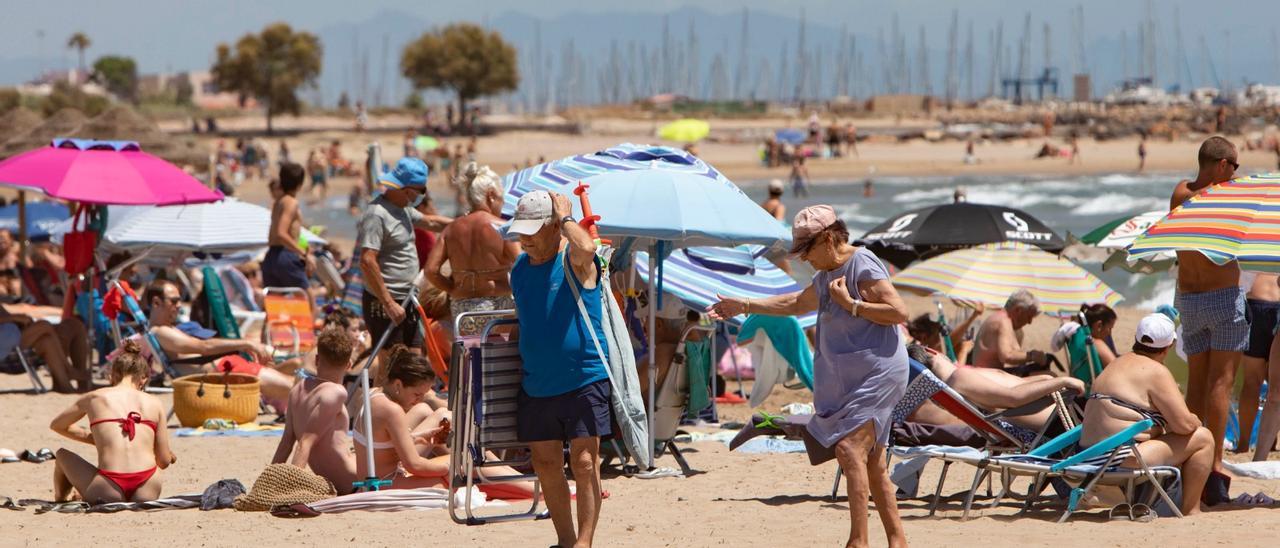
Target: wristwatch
567, 219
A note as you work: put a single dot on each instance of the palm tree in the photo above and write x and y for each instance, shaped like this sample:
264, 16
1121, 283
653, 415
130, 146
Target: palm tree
79, 42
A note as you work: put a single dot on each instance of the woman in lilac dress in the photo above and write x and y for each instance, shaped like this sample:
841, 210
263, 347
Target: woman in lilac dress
860, 364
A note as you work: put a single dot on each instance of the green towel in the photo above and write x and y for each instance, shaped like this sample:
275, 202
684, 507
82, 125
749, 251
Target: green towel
698, 364
219, 308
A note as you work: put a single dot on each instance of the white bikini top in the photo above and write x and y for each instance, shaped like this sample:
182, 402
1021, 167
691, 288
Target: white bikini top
359, 436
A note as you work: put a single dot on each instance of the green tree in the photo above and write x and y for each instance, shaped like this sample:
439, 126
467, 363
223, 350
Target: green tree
119, 75
463, 58
65, 95
9, 99
270, 67
182, 89
79, 42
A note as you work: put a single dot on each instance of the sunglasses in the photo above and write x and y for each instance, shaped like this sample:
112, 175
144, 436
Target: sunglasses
174, 300
1234, 165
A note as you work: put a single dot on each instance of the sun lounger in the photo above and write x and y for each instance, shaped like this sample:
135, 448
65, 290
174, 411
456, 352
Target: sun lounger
1043, 464
483, 399
17, 356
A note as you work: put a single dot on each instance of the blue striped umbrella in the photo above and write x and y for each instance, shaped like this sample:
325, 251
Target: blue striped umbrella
695, 276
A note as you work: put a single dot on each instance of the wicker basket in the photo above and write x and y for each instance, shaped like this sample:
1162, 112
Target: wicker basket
228, 396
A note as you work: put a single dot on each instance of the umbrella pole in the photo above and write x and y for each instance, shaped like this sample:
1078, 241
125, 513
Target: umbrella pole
653, 343
22, 223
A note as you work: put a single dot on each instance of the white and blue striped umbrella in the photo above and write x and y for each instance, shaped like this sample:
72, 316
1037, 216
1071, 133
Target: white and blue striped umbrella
652, 194
697, 274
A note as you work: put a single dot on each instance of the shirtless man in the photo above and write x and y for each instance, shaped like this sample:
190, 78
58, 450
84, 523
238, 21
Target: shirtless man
479, 259
318, 422
1215, 330
1263, 301
994, 390
286, 263
1000, 337
163, 298
773, 205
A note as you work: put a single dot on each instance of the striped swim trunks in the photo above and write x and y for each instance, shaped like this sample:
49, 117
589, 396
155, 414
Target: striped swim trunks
1124, 453
1213, 320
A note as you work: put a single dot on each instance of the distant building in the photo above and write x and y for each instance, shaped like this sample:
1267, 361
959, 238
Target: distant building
43, 85
204, 92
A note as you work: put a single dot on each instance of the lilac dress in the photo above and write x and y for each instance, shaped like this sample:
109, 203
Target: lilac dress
860, 367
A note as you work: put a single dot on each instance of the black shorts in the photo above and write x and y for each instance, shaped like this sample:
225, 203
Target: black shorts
407, 332
580, 413
1263, 316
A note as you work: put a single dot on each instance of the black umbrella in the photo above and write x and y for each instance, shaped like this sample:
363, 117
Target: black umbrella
933, 230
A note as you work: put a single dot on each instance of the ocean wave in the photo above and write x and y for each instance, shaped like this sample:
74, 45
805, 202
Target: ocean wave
1113, 203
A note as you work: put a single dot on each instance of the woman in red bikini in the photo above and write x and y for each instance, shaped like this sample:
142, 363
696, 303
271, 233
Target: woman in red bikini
126, 425
408, 436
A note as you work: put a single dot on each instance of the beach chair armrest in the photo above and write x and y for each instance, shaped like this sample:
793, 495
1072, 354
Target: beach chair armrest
1064, 441
1107, 445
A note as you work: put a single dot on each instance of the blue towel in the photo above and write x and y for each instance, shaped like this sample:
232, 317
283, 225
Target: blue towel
771, 445
788, 339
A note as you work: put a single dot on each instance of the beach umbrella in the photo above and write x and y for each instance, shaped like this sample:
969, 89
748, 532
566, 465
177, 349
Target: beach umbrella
42, 218
790, 136
695, 275
1234, 221
220, 226
929, 231
685, 130
990, 273
1118, 234
103, 172
425, 143
656, 197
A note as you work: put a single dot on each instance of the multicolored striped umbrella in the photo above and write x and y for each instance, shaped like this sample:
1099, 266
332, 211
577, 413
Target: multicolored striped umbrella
990, 273
1119, 234
1234, 221
696, 274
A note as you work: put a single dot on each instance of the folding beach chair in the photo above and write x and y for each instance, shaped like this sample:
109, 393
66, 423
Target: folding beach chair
19, 360
291, 324
482, 394
1000, 435
1084, 363
1076, 470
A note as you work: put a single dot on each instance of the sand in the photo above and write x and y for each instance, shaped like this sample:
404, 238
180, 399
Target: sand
732, 500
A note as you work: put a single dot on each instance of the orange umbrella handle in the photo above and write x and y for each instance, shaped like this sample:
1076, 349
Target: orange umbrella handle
588, 218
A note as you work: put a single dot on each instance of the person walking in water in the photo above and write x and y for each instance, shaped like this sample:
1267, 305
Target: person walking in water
1215, 328
1142, 154
859, 364
799, 177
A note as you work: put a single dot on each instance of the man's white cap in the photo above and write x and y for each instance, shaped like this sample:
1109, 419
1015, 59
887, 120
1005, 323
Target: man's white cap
533, 212
1156, 331
775, 185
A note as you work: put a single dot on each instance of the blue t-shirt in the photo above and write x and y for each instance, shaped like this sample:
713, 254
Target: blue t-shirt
558, 353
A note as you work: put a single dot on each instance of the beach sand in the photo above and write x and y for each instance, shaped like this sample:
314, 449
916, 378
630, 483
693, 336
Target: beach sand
733, 499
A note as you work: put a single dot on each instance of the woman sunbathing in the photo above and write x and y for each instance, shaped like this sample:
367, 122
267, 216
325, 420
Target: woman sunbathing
1137, 386
126, 425
408, 436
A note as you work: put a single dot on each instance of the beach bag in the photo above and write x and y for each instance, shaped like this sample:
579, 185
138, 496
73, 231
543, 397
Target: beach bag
627, 402
230, 396
78, 245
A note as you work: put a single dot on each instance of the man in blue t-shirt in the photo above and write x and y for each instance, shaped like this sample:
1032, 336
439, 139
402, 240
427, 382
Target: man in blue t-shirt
565, 392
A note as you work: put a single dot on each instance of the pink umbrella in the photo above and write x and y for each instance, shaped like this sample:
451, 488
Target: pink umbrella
103, 172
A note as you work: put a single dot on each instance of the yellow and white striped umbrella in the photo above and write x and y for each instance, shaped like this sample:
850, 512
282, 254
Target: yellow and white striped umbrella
989, 273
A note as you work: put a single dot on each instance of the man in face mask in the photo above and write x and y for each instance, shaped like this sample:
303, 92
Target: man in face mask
388, 257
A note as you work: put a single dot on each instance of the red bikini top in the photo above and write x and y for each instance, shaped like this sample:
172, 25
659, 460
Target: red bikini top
129, 424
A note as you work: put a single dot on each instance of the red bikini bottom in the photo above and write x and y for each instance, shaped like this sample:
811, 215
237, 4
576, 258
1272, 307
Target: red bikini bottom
128, 482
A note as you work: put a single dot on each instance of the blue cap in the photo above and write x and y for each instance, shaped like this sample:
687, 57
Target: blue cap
409, 172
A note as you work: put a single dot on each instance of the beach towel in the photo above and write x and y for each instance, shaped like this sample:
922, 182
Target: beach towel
398, 500
1265, 470
219, 307
241, 431
771, 370
788, 340
772, 445
698, 366
628, 404
177, 502
906, 472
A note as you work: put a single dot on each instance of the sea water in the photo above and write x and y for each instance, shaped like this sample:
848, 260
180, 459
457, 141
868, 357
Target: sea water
1067, 204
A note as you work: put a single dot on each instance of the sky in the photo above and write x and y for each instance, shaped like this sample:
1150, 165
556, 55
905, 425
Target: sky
171, 35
